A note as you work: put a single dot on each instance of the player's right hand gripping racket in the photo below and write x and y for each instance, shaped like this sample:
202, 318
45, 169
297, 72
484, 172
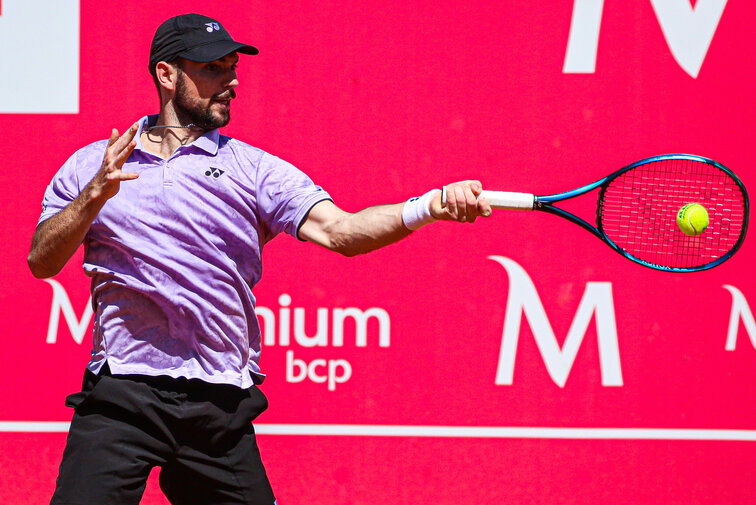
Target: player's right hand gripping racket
636, 213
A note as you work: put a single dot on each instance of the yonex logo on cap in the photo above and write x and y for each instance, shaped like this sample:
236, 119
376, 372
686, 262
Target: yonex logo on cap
211, 27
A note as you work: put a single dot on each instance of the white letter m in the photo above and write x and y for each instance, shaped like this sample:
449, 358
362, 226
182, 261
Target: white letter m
523, 298
61, 303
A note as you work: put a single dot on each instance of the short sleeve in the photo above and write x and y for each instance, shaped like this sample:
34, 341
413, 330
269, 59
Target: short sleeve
62, 190
285, 195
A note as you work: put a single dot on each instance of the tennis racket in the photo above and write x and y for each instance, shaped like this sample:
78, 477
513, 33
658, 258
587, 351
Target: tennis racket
637, 206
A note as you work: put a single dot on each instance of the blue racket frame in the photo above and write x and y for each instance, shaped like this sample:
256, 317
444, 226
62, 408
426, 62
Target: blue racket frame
546, 204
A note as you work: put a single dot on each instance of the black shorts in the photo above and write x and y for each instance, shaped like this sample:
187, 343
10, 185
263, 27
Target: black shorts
200, 435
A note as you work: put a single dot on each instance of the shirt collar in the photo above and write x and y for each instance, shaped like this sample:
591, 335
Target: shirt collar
207, 142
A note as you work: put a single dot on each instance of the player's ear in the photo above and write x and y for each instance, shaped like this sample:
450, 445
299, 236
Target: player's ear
166, 75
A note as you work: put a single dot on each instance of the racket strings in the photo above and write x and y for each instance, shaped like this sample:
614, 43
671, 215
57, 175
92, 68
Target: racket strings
639, 208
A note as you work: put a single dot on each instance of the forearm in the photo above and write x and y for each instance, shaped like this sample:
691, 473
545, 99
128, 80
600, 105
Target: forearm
379, 226
365, 231
57, 238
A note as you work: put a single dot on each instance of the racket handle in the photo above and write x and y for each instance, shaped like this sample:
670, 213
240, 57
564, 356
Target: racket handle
509, 200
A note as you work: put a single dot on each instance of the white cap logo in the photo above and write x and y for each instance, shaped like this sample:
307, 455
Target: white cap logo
212, 27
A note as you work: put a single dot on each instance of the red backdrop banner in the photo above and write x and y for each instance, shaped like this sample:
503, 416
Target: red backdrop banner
515, 360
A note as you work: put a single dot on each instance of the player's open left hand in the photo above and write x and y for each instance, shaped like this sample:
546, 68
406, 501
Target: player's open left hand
107, 181
463, 202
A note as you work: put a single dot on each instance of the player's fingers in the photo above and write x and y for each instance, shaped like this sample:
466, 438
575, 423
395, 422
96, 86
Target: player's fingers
107, 159
113, 137
471, 203
120, 158
484, 208
126, 139
460, 199
471, 197
122, 176
131, 132
476, 187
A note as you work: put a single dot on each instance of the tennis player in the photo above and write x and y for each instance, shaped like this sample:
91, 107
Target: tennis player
173, 217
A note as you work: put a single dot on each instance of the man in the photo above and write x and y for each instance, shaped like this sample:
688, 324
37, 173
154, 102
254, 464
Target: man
173, 217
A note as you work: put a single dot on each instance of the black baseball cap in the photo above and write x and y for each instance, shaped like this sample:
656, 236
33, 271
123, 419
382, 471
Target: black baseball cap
194, 37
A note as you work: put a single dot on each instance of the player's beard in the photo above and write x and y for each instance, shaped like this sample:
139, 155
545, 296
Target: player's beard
191, 111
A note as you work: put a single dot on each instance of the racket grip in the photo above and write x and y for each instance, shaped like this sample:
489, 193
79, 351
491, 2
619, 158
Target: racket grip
509, 200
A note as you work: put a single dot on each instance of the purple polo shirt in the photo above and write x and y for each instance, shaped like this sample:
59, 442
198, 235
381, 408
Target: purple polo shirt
174, 255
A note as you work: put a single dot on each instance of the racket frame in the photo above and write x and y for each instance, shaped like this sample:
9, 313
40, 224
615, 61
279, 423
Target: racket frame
546, 203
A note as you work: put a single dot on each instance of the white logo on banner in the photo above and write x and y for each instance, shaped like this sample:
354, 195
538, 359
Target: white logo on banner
335, 371
320, 338
61, 304
688, 31
740, 311
597, 302
319, 370
523, 299
43, 36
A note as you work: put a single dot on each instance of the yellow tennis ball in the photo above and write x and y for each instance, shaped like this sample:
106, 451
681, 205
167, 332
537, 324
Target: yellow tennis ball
692, 219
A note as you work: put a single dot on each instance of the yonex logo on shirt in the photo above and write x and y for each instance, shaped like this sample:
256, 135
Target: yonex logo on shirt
215, 172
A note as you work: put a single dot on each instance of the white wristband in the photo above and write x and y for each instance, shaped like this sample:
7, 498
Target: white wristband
416, 211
